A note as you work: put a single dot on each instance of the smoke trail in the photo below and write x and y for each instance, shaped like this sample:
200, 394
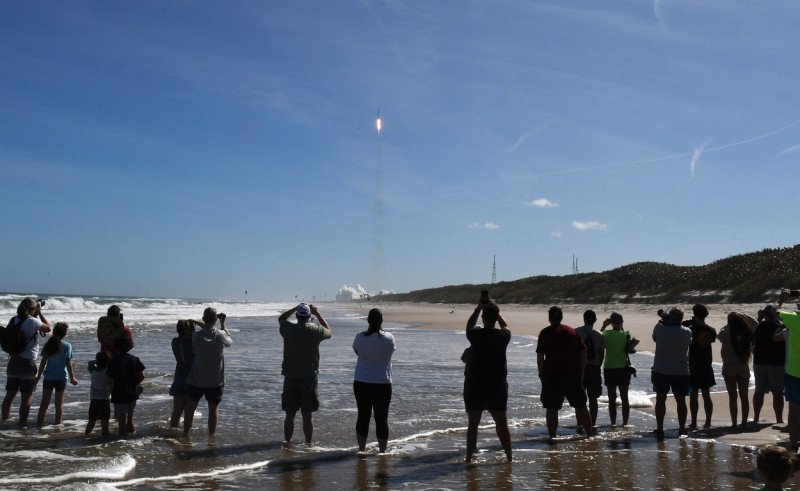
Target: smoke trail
377, 252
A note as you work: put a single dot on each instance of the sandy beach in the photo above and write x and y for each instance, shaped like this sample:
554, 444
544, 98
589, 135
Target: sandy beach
529, 320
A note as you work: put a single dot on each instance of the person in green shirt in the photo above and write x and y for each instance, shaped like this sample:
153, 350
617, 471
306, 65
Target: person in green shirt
615, 369
792, 377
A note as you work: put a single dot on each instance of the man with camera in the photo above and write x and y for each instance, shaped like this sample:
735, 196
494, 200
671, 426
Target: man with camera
207, 376
301, 366
671, 366
21, 370
485, 384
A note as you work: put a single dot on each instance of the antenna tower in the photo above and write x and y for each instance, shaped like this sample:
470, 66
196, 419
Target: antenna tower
574, 264
494, 269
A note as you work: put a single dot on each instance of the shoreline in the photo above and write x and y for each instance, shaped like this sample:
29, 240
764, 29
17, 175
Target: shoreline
639, 319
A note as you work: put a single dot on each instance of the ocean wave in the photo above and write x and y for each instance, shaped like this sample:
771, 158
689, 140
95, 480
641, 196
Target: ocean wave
116, 468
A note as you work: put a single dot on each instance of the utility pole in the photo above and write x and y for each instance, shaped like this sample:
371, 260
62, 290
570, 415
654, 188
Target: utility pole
494, 269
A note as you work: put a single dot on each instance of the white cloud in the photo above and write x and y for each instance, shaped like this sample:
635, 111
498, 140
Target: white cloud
592, 225
542, 203
556, 233
487, 225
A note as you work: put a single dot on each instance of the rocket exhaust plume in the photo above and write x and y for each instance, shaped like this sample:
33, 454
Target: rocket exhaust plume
378, 256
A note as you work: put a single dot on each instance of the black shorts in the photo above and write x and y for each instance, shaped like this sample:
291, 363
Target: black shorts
99, 409
300, 393
212, 394
702, 378
556, 388
592, 381
617, 377
485, 394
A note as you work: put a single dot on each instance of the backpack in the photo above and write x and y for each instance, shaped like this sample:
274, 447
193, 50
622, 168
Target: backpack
590, 351
12, 339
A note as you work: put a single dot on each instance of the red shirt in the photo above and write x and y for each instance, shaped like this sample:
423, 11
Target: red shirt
562, 348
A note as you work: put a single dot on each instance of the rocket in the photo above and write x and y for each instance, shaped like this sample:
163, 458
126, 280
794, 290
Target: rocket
378, 123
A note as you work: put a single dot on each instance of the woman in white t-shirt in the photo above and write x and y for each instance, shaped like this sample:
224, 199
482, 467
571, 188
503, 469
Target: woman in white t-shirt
373, 380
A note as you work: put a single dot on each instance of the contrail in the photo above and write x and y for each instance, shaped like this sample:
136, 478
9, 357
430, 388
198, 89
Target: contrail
698, 152
527, 135
665, 158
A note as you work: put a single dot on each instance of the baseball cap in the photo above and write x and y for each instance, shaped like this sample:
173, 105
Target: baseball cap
303, 311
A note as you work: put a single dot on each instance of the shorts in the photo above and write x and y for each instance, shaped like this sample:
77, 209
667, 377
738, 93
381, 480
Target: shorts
124, 409
300, 393
702, 378
24, 385
212, 394
556, 388
769, 378
592, 381
57, 385
21, 367
792, 387
100, 409
736, 370
617, 377
485, 394
679, 384
178, 388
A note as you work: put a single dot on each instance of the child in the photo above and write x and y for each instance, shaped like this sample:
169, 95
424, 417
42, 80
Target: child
182, 349
774, 466
126, 372
56, 365
99, 407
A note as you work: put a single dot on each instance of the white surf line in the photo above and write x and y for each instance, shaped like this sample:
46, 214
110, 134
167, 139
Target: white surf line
116, 471
190, 475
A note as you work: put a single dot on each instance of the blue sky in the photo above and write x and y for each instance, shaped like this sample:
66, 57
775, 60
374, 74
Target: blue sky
200, 149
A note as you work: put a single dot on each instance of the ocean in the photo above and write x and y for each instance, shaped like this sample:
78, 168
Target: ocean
427, 420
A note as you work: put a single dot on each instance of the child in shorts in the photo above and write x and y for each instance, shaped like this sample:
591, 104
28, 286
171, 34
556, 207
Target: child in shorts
126, 372
774, 466
56, 366
99, 407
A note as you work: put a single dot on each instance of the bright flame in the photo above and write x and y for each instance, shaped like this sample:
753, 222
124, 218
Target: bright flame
378, 125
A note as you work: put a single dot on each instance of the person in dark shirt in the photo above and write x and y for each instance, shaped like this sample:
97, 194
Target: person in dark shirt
769, 357
485, 384
126, 372
561, 360
700, 359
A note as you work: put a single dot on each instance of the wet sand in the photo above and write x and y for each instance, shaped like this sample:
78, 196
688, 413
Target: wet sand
639, 320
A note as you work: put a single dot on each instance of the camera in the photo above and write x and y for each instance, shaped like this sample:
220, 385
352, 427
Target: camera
484, 296
40, 303
663, 315
221, 316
